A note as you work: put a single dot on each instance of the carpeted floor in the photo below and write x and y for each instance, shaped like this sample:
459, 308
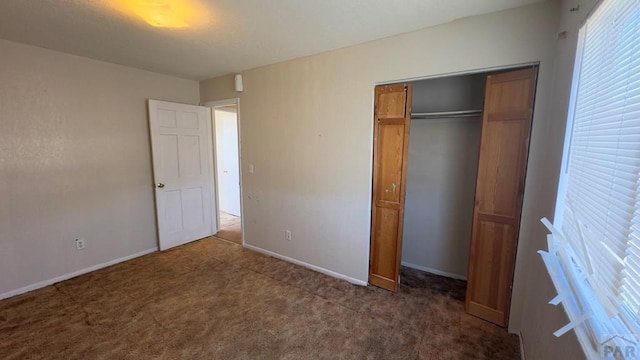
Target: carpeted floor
230, 228
215, 300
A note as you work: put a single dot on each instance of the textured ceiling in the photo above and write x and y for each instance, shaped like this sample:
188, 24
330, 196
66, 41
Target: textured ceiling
230, 35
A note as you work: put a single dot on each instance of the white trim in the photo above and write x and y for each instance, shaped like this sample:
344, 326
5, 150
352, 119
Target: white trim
215, 203
212, 105
307, 265
434, 271
522, 356
215, 223
218, 103
372, 134
68, 276
460, 73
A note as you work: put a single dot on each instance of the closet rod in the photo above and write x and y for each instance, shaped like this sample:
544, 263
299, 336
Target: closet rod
446, 114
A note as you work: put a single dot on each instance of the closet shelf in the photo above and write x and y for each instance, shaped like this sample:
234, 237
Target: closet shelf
446, 114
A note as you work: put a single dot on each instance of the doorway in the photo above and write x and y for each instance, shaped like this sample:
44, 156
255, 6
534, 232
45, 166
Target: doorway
227, 169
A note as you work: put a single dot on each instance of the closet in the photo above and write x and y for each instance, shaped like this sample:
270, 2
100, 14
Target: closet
449, 165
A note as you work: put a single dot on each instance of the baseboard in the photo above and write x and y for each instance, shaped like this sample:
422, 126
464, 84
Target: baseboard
64, 277
307, 265
434, 271
522, 357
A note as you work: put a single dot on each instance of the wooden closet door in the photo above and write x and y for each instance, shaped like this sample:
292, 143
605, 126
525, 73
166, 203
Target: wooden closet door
506, 125
390, 151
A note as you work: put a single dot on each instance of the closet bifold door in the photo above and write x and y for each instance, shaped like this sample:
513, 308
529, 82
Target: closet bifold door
390, 151
504, 146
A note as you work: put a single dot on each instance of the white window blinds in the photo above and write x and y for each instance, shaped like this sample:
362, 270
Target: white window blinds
601, 216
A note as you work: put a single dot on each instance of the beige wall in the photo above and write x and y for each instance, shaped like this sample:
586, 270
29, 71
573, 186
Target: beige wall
441, 184
306, 125
74, 161
532, 315
219, 88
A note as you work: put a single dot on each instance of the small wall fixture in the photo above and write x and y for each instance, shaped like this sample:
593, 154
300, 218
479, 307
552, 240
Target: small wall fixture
239, 84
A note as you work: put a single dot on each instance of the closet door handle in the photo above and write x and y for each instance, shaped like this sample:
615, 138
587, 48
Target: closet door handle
393, 186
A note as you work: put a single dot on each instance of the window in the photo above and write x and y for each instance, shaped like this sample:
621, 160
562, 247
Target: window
596, 245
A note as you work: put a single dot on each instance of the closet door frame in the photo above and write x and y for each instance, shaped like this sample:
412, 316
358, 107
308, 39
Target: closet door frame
534, 65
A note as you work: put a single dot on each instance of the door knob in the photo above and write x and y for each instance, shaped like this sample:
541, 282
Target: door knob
160, 185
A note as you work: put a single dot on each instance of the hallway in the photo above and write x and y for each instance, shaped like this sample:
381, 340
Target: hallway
230, 228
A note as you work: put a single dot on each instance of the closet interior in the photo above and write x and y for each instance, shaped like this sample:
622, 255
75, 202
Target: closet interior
449, 166
444, 145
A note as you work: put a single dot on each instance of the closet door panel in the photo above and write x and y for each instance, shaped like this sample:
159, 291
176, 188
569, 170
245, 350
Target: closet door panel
391, 138
511, 92
497, 191
504, 146
391, 102
492, 267
383, 267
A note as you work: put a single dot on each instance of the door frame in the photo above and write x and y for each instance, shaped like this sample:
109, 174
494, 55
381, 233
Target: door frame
426, 77
453, 73
214, 179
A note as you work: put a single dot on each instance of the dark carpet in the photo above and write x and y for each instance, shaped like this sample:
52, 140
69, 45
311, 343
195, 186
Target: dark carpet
215, 300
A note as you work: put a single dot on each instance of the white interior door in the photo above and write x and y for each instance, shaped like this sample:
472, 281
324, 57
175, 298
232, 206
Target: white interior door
227, 164
183, 171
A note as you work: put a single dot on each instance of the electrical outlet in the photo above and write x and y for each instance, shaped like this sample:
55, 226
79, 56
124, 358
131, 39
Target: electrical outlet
79, 244
287, 235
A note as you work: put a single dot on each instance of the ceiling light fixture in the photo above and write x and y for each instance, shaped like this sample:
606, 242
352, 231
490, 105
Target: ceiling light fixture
163, 13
